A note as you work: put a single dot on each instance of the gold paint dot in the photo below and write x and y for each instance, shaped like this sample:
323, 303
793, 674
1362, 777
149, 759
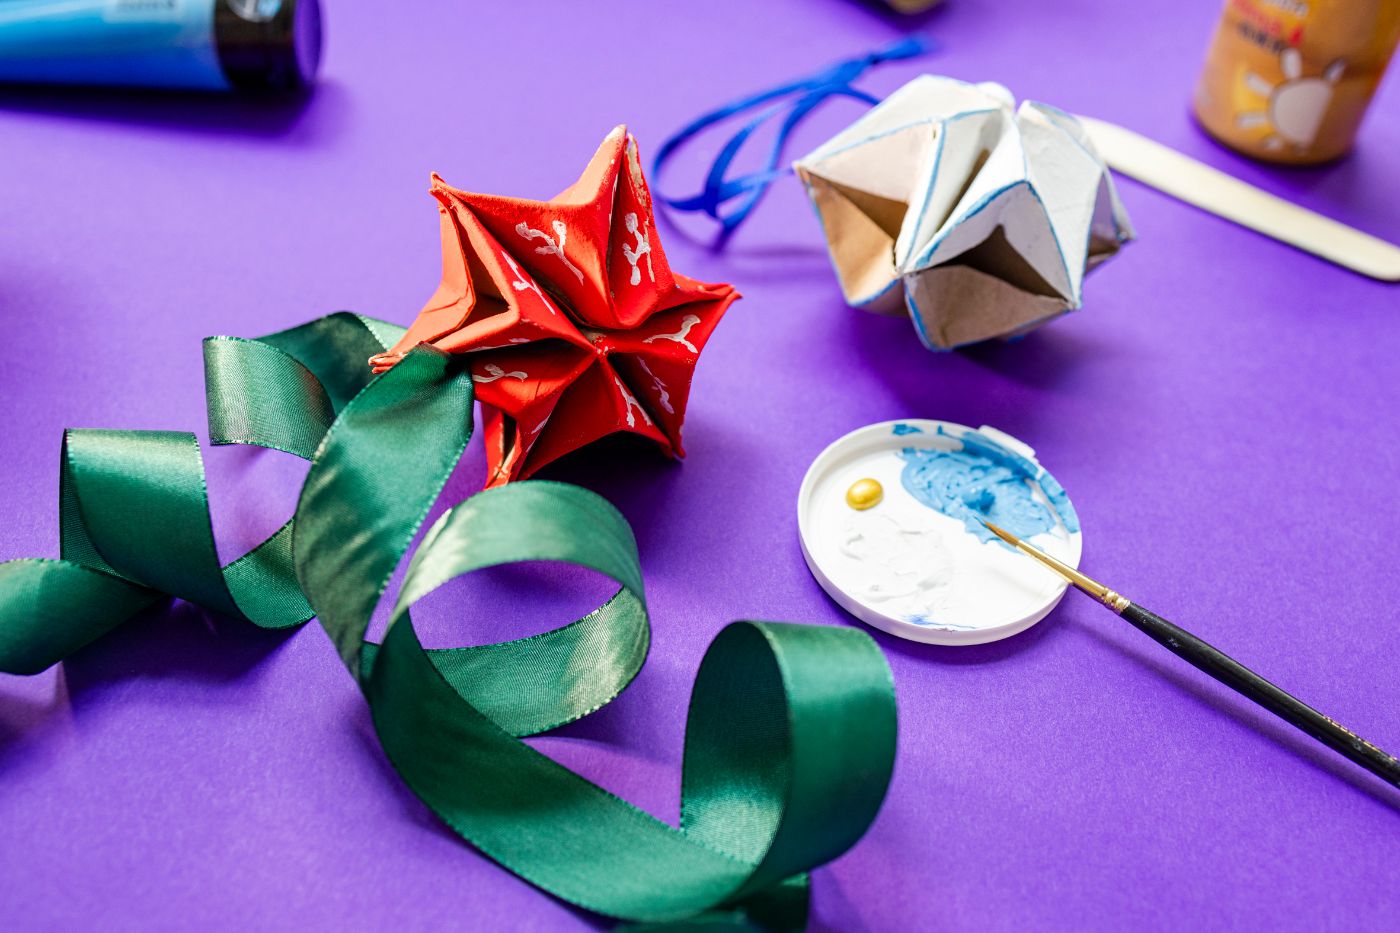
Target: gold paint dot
864, 494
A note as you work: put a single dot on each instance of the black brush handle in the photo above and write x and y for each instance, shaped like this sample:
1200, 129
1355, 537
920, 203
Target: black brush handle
1282, 704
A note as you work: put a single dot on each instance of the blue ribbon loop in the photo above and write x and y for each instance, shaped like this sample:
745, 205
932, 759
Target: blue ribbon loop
807, 94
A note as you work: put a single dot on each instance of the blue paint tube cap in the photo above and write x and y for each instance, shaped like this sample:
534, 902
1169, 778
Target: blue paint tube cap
268, 46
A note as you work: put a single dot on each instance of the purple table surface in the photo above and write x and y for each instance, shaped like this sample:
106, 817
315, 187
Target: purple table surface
1223, 413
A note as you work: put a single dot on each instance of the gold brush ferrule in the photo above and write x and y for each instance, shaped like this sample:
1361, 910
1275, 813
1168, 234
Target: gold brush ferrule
1113, 600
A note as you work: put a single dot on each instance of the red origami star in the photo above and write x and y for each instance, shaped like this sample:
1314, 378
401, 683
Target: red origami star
576, 324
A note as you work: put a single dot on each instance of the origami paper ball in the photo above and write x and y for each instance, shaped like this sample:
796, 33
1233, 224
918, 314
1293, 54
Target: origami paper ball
988, 216
576, 325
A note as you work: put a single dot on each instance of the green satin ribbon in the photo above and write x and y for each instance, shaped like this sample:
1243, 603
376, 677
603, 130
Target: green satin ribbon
791, 729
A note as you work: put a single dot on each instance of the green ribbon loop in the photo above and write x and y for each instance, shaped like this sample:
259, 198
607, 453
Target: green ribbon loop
791, 729
133, 511
537, 683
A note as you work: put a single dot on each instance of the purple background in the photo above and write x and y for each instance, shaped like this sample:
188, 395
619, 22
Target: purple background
1223, 413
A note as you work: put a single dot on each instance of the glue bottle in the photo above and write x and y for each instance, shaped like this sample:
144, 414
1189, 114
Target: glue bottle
1290, 80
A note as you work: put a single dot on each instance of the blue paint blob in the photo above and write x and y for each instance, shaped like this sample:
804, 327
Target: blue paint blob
901, 429
984, 480
929, 622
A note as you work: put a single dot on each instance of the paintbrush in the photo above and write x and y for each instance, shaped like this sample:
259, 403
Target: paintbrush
1223, 668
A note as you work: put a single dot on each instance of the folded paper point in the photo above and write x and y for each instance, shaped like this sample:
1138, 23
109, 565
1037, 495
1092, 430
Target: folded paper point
979, 217
576, 325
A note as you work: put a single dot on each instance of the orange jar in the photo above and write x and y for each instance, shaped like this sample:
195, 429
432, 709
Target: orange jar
1289, 80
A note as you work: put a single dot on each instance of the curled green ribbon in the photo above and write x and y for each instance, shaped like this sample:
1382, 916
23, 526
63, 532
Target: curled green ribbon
791, 729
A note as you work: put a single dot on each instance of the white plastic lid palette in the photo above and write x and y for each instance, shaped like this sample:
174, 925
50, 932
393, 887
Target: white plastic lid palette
918, 564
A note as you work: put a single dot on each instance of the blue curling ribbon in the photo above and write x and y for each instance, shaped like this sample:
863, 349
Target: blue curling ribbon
806, 94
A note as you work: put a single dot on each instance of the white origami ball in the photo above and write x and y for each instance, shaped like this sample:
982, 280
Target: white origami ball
988, 216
